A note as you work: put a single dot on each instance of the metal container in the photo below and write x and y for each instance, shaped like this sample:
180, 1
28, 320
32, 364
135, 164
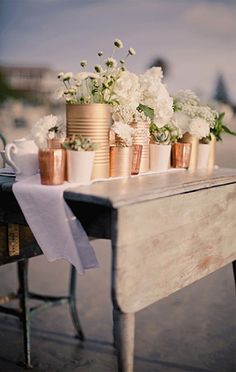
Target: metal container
52, 166
194, 141
141, 137
212, 153
136, 158
93, 121
180, 155
120, 161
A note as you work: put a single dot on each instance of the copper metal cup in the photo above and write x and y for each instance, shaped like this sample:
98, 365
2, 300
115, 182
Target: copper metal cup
180, 155
136, 158
52, 166
120, 161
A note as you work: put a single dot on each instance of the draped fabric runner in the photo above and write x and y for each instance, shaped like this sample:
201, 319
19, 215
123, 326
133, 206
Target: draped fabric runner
57, 231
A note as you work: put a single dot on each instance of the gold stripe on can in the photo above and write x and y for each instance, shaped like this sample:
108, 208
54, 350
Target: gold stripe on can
92, 121
141, 137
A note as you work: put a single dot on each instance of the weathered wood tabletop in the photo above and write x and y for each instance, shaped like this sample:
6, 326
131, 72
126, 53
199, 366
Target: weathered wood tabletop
167, 231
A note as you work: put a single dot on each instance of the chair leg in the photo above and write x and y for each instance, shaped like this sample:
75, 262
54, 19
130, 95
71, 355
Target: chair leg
72, 304
25, 315
234, 271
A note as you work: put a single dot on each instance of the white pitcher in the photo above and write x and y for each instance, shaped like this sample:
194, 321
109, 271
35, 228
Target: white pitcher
22, 156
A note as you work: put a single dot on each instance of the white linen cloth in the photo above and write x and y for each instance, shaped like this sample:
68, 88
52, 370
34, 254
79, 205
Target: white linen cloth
56, 230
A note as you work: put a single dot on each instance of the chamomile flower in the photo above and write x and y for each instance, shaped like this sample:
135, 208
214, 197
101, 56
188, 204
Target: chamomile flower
118, 43
131, 51
60, 75
98, 68
83, 63
111, 62
67, 76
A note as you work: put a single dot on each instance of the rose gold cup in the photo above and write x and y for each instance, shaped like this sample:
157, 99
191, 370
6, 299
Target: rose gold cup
180, 155
52, 166
136, 158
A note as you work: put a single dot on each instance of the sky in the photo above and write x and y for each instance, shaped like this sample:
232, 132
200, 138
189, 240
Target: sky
196, 37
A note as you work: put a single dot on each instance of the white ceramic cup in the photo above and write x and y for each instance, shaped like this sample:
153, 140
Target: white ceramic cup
22, 156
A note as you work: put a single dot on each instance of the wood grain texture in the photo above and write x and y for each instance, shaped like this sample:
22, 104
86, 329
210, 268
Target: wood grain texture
166, 244
121, 192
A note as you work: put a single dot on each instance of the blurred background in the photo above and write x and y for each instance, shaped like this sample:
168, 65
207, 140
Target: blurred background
194, 42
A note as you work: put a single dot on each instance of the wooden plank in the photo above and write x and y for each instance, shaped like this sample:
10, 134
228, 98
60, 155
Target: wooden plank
166, 244
118, 193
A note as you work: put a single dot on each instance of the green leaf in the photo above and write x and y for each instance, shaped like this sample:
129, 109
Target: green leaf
148, 111
227, 130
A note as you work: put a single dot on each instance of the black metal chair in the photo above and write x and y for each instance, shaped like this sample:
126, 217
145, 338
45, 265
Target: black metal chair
25, 312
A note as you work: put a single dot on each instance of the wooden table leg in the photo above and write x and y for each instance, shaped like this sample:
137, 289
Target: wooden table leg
125, 341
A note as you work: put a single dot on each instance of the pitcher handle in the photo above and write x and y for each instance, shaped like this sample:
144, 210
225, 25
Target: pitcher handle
11, 148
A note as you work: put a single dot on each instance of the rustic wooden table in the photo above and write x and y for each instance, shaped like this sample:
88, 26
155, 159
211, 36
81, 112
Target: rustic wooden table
167, 231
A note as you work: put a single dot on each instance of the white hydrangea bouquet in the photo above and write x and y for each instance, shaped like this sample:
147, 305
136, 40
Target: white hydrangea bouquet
192, 117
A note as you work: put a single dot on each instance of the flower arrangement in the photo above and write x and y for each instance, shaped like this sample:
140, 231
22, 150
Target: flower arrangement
79, 143
155, 101
123, 133
105, 85
192, 117
46, 128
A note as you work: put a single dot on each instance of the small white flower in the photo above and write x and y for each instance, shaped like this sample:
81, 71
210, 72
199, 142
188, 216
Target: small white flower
48, 127
67, 76
83, 63
118, 43
124, 132
111, 62
131, 51
100, 53
122, 61
60, 75
98, 68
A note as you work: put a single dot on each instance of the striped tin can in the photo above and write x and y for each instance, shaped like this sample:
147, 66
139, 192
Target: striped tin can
141, 137
92, 121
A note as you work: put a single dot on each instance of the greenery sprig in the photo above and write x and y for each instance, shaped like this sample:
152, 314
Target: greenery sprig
220, 128
79, 143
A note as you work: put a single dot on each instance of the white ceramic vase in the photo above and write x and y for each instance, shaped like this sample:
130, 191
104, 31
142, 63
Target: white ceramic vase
79, 166
159, 157
203, 156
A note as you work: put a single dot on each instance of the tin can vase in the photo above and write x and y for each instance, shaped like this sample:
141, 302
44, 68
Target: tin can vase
159, 157
203, 155
212, 153
194, 141
120, 161
141, 137
92, 121
180, 155
52, 166
80, 166
136, 158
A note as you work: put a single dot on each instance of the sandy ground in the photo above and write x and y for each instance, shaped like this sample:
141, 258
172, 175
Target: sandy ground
192, 330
